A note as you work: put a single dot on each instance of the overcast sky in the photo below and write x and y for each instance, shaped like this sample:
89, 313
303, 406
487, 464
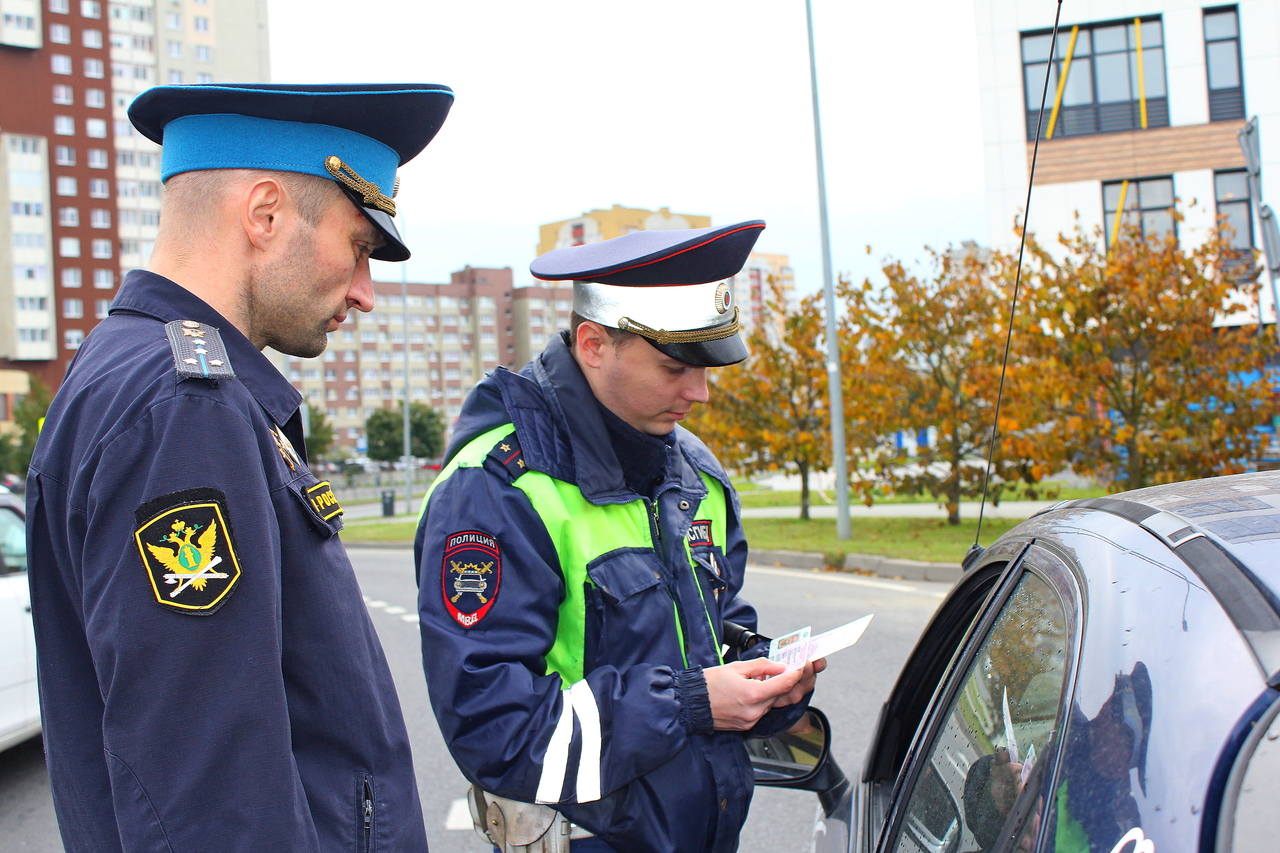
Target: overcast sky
702, 106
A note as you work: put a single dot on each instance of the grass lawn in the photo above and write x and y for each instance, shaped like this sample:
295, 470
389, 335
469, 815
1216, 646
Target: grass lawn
906, 538
755, 497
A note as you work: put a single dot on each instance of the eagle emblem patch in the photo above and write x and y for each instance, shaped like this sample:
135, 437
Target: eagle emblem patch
186, 547
471, 575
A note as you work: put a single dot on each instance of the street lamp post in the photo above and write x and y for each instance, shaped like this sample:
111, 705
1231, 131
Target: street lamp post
835, 392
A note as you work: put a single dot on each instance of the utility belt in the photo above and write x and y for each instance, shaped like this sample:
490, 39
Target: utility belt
515, 827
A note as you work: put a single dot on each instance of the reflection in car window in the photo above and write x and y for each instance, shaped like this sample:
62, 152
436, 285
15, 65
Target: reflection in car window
13, 543
996, 731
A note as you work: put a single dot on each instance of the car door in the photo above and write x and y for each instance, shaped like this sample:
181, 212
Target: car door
18, 700
971, 778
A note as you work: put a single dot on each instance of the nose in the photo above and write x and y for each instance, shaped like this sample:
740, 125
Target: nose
360, 294
696, 390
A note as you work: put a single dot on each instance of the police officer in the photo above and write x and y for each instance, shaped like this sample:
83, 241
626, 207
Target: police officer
210, 679
579, 555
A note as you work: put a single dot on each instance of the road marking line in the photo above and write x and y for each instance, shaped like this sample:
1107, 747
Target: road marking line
410, 617
459, 815
837, 577
395, 611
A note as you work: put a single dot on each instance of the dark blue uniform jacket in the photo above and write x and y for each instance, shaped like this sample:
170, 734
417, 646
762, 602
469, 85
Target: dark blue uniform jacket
267, 724
666, 780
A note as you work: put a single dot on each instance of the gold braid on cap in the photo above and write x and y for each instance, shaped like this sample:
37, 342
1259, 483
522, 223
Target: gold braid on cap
372, 193
692, 336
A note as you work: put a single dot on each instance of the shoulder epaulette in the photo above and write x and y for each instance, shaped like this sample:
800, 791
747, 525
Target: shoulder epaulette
508, 454
198, 351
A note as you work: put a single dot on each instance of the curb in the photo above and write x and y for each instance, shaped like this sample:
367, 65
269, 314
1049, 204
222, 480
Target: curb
888, 567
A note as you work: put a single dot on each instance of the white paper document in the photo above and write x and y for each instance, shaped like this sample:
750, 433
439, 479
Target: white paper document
797, 648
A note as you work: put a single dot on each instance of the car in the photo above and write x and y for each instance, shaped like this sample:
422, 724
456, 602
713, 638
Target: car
19, 702
1102, 678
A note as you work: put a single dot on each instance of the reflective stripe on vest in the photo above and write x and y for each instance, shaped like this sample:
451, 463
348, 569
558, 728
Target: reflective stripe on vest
581, 532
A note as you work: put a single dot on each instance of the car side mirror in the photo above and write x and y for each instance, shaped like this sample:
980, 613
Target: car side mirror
793, 757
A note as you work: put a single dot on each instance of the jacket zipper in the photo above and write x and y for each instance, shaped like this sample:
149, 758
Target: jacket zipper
368, 816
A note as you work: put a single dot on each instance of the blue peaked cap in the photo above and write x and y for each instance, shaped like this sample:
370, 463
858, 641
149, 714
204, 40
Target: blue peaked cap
355, 135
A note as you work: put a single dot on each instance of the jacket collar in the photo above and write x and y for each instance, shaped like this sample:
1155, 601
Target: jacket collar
155, 296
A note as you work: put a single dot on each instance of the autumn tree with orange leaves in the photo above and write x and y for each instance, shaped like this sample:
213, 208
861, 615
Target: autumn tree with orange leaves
935, 346
770, 412
1142, 381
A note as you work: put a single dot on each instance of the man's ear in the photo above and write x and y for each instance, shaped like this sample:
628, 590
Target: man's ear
262, 202
589, 341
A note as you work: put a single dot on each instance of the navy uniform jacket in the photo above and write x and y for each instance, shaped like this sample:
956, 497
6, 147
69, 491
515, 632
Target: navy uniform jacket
251, 708
660, 779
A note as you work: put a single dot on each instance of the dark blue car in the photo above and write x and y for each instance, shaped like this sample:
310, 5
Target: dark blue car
1103, 679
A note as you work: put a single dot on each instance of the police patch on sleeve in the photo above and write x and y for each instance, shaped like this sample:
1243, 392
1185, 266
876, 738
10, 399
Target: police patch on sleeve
471, 575
186, 547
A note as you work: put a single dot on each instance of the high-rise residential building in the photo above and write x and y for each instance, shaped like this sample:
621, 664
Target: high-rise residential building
596, 225
1145, 103
753, 286
79, 188
438, 340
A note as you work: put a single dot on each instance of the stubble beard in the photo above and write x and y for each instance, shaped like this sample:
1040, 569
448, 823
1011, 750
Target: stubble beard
278, 314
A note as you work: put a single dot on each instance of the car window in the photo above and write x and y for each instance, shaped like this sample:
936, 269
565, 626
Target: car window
995, 732
13, 542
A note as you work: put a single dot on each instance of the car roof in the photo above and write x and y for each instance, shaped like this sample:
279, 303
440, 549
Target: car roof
1239, 513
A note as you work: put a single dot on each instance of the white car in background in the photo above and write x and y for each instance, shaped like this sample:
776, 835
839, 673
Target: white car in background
19, 703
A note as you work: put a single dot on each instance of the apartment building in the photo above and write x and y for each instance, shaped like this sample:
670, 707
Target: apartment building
79, 188
435, 340
1145, 104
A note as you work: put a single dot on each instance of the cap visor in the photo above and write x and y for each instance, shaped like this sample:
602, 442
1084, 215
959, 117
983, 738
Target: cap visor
392, 250
721, 353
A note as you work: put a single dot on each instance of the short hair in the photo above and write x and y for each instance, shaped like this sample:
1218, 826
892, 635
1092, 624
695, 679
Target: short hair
618, 336
188, 195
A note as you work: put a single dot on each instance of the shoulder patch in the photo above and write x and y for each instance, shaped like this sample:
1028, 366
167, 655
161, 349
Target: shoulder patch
471, 575
186, 546
508, 454
198, 351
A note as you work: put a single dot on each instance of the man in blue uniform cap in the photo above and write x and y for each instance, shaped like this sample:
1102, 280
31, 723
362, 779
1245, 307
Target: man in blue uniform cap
210, 679
579, 556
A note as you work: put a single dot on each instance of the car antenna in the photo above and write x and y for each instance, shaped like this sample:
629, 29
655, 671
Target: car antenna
976, 550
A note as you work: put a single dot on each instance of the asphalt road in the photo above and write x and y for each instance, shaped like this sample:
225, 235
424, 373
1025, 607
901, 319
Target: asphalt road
851, 692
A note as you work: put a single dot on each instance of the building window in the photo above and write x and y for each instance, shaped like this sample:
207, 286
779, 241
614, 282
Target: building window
60, 63
1114, 79
99, 218
90, 9
66, 186
27, 208
69, 217
1231, 193
62, 7
173, 21
1222, 63
98, 158
202, 78
72, 309
60, 34
1146, 205
71, 277
102, 249
63, 95
104, 279
175, 77
95, 128
175, 49
95, 98
64, 155
99, 188
69, 247
102, 307
73, 338
64, 125
201, 23
95, 68
203, 53
92, 38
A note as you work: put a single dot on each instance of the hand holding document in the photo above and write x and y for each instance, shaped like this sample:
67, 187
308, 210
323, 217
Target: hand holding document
797, 648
